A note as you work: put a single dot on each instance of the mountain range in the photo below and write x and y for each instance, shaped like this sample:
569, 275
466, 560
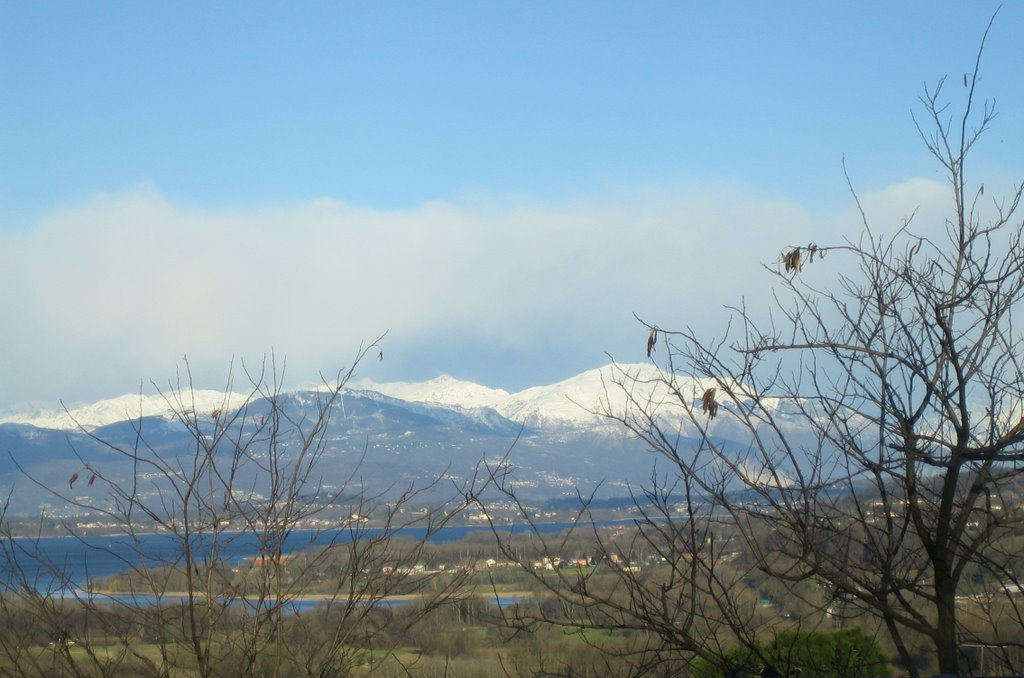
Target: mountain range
391, 435
566, 404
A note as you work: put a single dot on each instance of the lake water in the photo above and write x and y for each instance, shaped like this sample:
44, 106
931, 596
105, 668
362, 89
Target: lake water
56, 564
292, 605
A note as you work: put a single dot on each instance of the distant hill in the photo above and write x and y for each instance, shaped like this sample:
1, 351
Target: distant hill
389, 435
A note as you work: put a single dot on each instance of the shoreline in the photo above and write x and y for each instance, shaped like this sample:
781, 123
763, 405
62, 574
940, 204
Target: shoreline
302, 597
369, 526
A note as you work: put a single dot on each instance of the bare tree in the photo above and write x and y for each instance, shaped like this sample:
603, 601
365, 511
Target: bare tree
907, 369
858, 447
230, 596
662, 590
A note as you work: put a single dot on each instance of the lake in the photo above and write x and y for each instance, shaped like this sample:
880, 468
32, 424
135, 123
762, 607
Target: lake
55, 564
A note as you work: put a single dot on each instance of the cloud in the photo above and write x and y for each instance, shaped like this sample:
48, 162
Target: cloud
117, 290
925, 203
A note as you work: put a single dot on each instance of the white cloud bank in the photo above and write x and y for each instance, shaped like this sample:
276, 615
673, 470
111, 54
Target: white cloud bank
101, 296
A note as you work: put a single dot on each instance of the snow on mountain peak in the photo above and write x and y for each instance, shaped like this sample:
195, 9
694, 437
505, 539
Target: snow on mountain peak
567, 404
129, 406
443, 390
577, 402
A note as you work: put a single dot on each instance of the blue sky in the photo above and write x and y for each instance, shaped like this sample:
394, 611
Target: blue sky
498, 185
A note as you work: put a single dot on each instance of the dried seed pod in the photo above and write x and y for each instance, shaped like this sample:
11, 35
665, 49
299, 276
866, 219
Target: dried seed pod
791, 260
708, 403
794, 259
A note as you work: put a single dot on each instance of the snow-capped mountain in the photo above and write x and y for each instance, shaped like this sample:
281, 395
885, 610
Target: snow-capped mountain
443, 390
127, 407
579, 402
556, 437
573, 403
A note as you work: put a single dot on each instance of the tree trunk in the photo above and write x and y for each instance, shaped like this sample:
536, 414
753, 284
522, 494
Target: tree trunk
946, 639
